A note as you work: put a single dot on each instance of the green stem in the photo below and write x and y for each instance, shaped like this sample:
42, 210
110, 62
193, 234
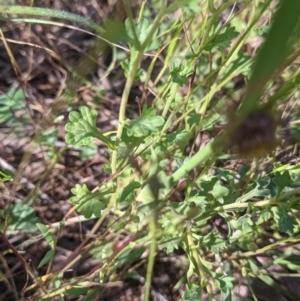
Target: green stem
198, 158
123, 106
128, 86
173, 91
216, 13
151, 257
265, 203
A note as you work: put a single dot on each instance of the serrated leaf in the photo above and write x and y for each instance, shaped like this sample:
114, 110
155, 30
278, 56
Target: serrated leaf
127, 66
169, 243
179, 137
82, 128
194, 118
146, 124
265, 215
140, 31
180, 74
200, 200
283, 219
131, 141
242, 63
91, 206
214, 242
244, 222
86, 202
193, 292
282, 180
215, 188
222, 39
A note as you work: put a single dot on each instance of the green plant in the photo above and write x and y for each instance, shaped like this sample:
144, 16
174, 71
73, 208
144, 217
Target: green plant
13, 110
220, 221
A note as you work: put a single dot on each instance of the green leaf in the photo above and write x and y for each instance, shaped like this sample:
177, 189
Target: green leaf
88, 152
190, 7
193, 292
169, 243
225, 282
244, 222
221, 39
235, 236
226, 296
200, 200
130, 255
77, 290
140, 31
49, 255
241, 63
264, 215
283, 219
130, 142
127, 66
286, 224
262, 30
256, 192
49, 137
10, 103
4, 178
115, 31
21, 217
129, 189
214, 242
292, 262
215, 188
273, 52
87, 202
194, 118
180, 74
282, 180
146, 124
47, 234
82, 128
180, 137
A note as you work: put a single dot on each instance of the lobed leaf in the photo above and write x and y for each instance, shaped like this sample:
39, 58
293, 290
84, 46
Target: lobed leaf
222, 39
86, 202
82, 128
146, 124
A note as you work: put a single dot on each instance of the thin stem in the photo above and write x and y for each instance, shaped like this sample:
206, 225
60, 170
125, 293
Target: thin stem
198, 158
123, 106
128, 85
151, 257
